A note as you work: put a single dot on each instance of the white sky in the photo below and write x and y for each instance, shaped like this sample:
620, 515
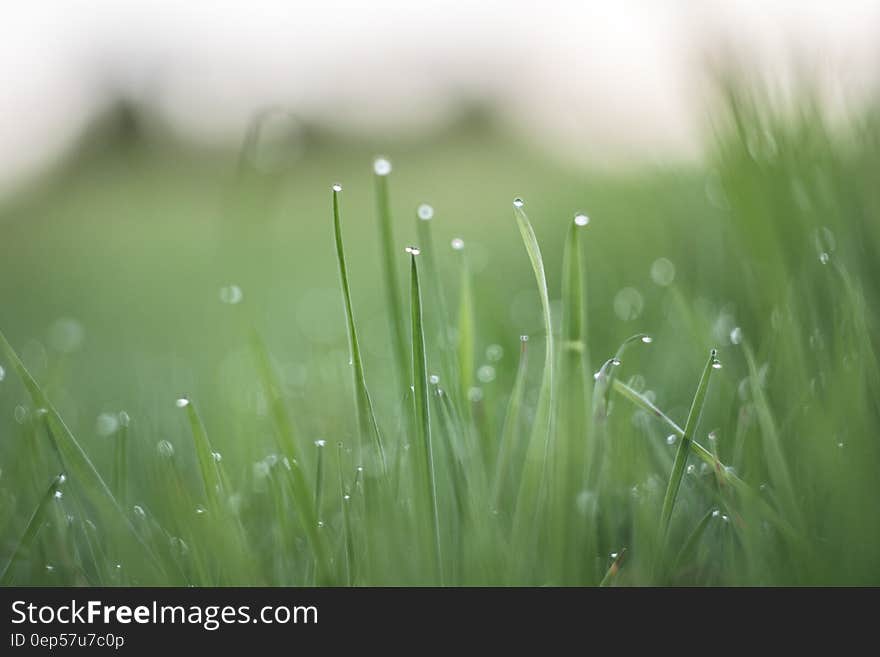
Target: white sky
610, 79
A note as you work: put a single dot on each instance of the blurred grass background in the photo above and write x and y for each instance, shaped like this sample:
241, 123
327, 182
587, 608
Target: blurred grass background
111, 271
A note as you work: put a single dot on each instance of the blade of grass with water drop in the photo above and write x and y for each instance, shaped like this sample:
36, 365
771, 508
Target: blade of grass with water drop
33, 526
369, 428
423, 444
569, 453
381, 171
684, 445
433, 286
765, 510
296, 479
611, 574
78, 466
690, 545
529, 498
211, 470
466, 335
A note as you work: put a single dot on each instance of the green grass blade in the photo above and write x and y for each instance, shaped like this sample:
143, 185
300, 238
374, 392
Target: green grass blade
611, 574
538, 447
119, 477
466, 332
79, 467
425, 455
510, 429
381, 171
319, 478
570, 449
368, 427
690, 545
347, 536
433, 287
34, 525
209, 466
684, 446
296, 479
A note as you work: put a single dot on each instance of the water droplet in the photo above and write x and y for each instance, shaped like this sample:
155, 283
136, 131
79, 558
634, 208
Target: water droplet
825, 243
413, 250
671, 438
381, 166
58, 494
165, 449
716, 513
124, 419
628, 304
178, 546
518, 202
337, 187
62, 478
725, 518
434, 379
2, 373
494, 352
425, 212
691, 469
181, 402
662, 272
21, 414
320, 443
200, 510
41, 412
49, 568
580, 219
346, 497
840, 445
716, 364
647, 339
475, 394
107, 424
712, 436
457, 243
261, 470
231, 294
217, 456
139, 511
736, 335
320, 524
66, 335
613, 556
615, 362
523, 338
486, 374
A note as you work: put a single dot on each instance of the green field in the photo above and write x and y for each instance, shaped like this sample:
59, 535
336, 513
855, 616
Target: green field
142, 271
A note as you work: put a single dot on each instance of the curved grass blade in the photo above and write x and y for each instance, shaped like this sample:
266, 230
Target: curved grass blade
684, 446
531, 491
369, 428
381, 170
37, 519
78, 465
425, 456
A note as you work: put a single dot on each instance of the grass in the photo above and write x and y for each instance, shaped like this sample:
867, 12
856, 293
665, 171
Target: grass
340, 444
